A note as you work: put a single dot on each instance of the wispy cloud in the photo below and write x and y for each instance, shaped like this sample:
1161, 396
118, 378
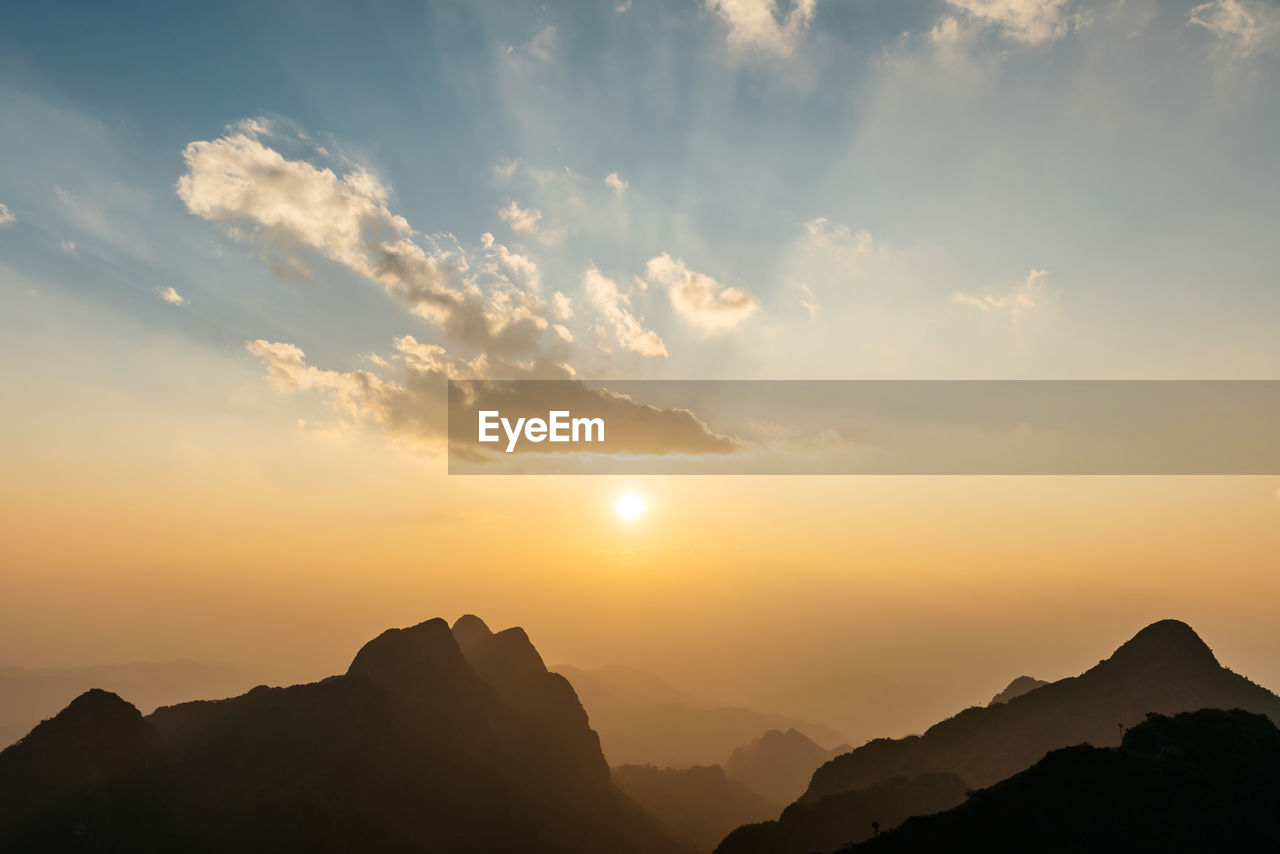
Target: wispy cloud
754, 25
699, 299
1016, 302
1245, 26
7, 217
1027, 21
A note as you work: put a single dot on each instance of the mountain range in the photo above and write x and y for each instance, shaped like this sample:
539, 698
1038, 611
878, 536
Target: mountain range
1205, 781
1164, 669
433, 740
644, 721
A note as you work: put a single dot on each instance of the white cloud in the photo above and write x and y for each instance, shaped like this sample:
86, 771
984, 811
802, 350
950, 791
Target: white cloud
171, 296
1243, 25
615, 308
1020, 300
507, 168
522, 265
698, 299
7, 218
525, 220
754, 24
623, 7
68, 246
1027, 21
287, 204
561, 306
613, 182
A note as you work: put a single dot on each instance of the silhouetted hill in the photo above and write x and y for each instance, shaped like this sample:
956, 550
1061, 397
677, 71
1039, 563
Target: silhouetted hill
411, 750
845, 818
28, 695
85, 780
1165, 668
1206, 781
1016, 688
639, 723
699, 804
779, 764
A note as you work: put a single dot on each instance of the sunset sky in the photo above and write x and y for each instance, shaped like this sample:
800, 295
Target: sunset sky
242, 245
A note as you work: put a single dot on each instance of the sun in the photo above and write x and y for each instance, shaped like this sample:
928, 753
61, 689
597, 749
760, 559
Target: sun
629, 507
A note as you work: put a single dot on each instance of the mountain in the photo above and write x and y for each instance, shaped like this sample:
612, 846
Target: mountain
1165, 668
1016, 688
699, 804
644, 721
1205, 781
414, 749
28, 695
779, 764
848, 817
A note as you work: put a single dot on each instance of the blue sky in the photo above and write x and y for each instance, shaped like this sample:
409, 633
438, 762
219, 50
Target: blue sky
961, 188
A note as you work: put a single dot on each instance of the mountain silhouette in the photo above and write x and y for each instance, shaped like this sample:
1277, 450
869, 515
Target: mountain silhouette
848, 817
1206, 781
28, 695
644, 721
1016, 688
1165, 668
414, 749
699, 804
779, 764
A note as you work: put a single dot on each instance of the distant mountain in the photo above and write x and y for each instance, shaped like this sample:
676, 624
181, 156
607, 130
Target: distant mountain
848, 817
421, 746
1206, 781
644, 721
28, 695
1165, 668
699, 804
779, 764
1016, 688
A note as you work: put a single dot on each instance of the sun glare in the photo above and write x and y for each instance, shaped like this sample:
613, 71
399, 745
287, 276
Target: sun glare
629, 507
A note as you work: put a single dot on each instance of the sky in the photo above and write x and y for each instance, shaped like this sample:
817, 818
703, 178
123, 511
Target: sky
242, 245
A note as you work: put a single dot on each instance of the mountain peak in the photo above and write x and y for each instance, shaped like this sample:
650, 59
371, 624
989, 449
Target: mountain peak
1165, 641
1016, 688
410, 658
469, 628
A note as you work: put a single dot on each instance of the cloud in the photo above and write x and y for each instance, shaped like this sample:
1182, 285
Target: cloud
521, 220
1026, 21
754, 24
542, 46
613, 182
1243, 25
68, 246
419, 406
701, 300
7, 218
521, 265
838, 239
623, 7
1020, 300
284, 204
633, 427
561, 306
171, 296
614, 307
809, 302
